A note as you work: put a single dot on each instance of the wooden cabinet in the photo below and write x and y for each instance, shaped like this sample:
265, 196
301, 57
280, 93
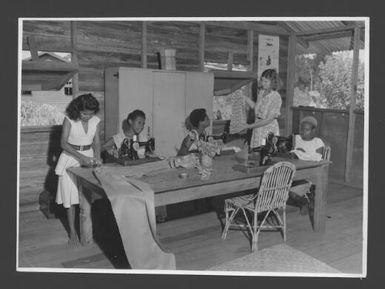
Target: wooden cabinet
166, 97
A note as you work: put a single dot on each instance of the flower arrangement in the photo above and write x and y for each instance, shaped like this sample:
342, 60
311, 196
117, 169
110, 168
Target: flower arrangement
209, 148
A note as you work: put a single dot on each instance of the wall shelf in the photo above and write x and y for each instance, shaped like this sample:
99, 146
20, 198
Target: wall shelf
226, 82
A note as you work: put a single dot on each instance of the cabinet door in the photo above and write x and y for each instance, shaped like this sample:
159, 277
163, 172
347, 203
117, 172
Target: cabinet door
135, 92
111, 102
168, 111
200, 92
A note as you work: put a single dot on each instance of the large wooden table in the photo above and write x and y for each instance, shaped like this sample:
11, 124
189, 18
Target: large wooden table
169, 188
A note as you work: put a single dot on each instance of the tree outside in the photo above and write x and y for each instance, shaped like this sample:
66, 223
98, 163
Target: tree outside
328, 78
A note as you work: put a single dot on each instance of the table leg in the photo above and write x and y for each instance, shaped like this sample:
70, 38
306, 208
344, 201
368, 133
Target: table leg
85, 216
320, 202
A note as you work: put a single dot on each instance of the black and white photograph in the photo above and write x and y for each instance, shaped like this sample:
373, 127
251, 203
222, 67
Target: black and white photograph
226, 146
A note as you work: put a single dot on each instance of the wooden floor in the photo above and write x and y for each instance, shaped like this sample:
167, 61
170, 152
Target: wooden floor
196, 240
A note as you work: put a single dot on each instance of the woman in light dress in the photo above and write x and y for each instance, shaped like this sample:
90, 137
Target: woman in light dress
267, 109
81, 147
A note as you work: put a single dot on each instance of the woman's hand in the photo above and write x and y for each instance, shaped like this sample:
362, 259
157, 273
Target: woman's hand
98, 162
87, 161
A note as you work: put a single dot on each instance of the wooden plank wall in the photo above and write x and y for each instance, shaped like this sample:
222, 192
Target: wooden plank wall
39, 151
102, 44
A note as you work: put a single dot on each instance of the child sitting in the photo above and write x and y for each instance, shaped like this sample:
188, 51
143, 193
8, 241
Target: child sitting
306, 146
310, 148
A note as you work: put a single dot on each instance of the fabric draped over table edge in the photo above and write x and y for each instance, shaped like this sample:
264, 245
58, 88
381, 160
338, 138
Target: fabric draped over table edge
132, 203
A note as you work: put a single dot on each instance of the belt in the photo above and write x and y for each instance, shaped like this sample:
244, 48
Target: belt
81, 148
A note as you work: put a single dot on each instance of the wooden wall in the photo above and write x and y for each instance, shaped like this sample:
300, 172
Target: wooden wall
102, 44
39, 151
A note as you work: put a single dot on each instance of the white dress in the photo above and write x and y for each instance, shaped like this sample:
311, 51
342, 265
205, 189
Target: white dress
310, 147
67, 190
267, 106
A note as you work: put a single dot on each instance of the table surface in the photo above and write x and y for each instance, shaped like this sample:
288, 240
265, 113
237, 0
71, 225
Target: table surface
224, 170
170, 188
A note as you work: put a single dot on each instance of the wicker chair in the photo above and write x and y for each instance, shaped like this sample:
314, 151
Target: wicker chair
271, 196
326, 153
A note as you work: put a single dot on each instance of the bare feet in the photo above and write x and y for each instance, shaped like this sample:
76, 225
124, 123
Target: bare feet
73, 240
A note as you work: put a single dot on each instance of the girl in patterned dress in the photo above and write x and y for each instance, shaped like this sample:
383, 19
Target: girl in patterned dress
267, 109
81, 147
196, 123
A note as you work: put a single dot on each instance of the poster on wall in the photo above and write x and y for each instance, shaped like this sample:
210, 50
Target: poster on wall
268, 53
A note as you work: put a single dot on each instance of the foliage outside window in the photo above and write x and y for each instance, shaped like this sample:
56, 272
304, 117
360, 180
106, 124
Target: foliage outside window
39, 114
324, 81
45, 108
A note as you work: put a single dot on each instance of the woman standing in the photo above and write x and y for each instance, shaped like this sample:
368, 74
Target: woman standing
267, 109
81, 147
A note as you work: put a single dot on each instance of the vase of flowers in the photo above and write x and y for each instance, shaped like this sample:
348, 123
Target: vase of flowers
208, 150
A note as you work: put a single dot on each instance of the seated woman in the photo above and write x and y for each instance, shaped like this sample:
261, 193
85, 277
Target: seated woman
135, 123
306, 146
196, 123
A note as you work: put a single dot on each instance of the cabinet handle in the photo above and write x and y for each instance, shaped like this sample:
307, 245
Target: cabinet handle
116, 75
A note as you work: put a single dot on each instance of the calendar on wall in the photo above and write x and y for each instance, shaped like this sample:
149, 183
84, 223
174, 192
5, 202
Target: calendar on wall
268, 53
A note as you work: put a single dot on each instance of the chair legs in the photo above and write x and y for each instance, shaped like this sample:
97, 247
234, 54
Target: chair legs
229, 220
284, 224
254, 228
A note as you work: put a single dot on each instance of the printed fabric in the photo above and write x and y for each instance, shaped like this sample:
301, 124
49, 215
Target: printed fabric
238, 114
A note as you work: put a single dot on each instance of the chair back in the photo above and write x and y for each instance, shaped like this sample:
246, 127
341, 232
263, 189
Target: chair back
275, 185
326, 153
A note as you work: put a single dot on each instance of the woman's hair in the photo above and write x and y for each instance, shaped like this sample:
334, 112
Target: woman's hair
272, 75
134, 114
82, 102
195, 117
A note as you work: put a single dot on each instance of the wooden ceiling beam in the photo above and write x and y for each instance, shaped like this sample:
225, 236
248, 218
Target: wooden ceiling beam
362, 34
235, 74
302, 42
327, 30
329, 36
262, 28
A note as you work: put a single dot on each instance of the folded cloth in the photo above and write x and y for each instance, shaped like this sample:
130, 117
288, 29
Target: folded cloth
132, 203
